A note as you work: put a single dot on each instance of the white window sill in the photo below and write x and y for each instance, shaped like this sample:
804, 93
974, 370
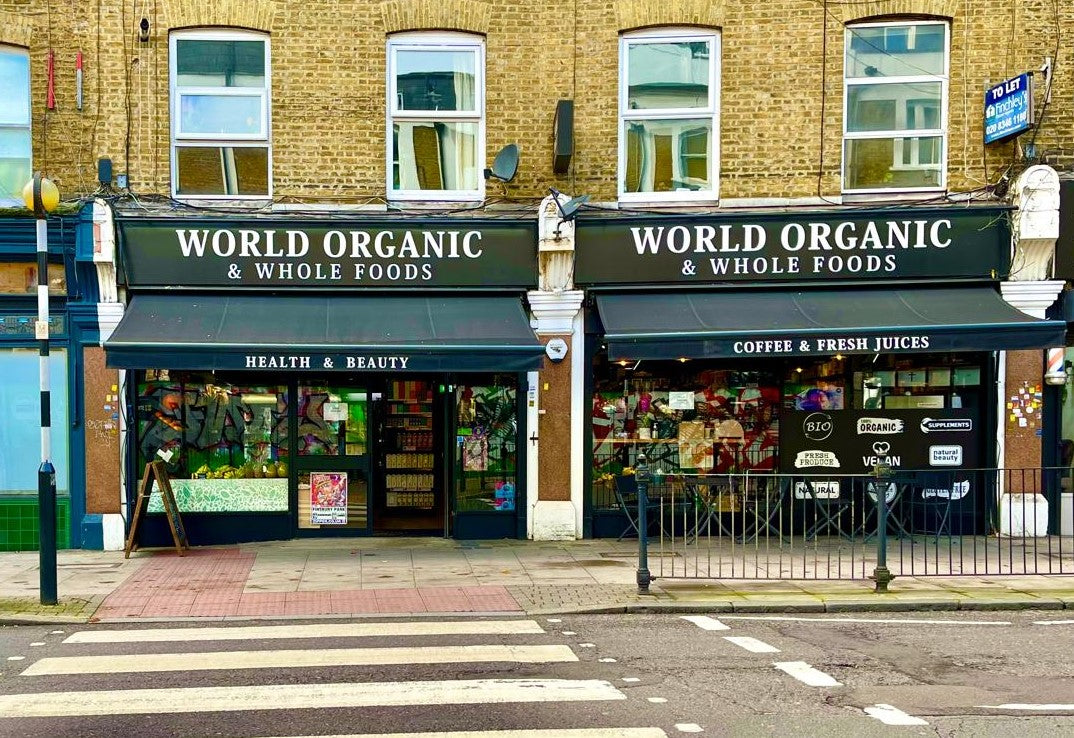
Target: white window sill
849, 198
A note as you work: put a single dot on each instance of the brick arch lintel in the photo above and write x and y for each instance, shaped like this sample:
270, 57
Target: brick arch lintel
854, 12
15, 29
634, 14
256, 15
470, 16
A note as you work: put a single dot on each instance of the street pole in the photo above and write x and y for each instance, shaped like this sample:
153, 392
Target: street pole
42, 196
641, 476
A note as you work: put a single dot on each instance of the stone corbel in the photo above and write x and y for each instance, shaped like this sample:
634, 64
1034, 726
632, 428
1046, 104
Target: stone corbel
1035, 224
104, 252
555, 246
553, 313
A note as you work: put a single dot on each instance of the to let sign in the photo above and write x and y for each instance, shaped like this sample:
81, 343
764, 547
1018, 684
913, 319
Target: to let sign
1008, 108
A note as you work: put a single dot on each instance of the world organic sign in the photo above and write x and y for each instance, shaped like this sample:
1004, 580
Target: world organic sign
933, 242
193, 253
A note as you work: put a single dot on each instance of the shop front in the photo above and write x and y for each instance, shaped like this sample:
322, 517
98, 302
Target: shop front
20, 390
818, 343
328, 379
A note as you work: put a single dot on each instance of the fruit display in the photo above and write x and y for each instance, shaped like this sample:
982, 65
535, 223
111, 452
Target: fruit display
249, 470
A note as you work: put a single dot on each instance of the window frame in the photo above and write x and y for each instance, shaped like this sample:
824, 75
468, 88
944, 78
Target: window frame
942, 132
435, 41
710, 113
23, 52
180, 140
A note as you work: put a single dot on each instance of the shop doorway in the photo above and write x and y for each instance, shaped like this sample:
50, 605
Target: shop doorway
332, 458
409, 487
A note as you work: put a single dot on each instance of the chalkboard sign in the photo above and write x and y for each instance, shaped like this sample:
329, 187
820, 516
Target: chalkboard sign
155, 470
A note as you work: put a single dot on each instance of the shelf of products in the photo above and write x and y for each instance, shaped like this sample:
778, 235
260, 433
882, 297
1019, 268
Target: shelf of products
409, 461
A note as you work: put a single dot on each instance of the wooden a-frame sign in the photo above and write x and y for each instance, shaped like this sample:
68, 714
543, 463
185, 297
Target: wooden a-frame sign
156, 470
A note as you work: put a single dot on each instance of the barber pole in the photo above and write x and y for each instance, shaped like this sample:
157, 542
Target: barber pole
1055, 372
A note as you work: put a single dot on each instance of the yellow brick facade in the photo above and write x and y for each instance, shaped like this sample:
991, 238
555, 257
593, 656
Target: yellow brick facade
781, 86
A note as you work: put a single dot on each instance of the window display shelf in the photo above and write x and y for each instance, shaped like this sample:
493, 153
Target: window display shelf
624, 441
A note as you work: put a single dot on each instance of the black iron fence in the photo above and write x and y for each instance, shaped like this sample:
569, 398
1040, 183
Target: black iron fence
926, 522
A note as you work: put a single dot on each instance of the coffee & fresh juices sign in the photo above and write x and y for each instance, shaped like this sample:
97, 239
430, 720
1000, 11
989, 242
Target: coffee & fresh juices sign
918, 243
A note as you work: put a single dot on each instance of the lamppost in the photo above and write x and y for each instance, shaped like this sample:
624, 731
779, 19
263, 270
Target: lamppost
42, 196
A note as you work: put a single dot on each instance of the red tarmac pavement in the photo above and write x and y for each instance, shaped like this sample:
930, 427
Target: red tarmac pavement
211, 583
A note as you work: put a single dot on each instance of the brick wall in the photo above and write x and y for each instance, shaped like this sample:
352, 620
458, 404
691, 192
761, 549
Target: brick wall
328, 86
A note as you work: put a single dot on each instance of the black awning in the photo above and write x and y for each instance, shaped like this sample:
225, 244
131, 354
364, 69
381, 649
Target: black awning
657, 325
344, 333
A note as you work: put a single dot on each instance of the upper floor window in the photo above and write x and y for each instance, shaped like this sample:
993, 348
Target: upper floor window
436, 102
895, 121
15, 148
220, 114
668, 115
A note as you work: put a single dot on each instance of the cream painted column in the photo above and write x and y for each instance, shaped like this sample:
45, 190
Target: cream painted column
1035, 229
555, 400
109, 313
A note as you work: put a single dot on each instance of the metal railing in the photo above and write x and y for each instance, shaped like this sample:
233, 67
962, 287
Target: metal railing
928, 522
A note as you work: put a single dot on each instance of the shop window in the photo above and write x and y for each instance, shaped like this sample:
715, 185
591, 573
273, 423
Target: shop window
15, 147
436, 98
686, 418
894, 129
224, 442
487, 426
20, 278
20, 420
220, 114
669, 115
332, 421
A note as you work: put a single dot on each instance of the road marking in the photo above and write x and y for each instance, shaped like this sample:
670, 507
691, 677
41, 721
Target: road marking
806, 674
15, 658
322, 630
689, 728
881, 621
631, 679
306, 658
587, 645
658, 700
1024, 706
705, 622
38, 643
751, 644
569, 633
606, 661
1053, 622
890, 715
304, 696
538, 733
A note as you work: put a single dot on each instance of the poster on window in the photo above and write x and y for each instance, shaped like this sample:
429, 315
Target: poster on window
475, 452
328, 498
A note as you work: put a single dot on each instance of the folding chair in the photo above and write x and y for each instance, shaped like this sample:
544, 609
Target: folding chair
626, 493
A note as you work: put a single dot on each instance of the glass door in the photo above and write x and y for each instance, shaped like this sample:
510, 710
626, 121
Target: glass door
485, 498
331, 436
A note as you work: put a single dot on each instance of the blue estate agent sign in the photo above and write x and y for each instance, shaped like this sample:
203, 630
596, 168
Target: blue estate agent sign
1009, 108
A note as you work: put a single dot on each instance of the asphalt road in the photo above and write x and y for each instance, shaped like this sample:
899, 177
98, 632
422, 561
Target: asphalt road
946, 674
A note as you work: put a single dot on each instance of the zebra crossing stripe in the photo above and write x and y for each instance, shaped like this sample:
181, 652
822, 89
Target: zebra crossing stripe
304, 696
539, 733
321, 630
283, 659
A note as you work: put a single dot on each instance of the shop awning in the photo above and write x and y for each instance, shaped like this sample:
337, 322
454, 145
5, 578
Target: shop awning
666, 325
329, 333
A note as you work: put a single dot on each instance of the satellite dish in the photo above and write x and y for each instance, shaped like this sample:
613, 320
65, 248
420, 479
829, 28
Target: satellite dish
569, 209
505, 165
